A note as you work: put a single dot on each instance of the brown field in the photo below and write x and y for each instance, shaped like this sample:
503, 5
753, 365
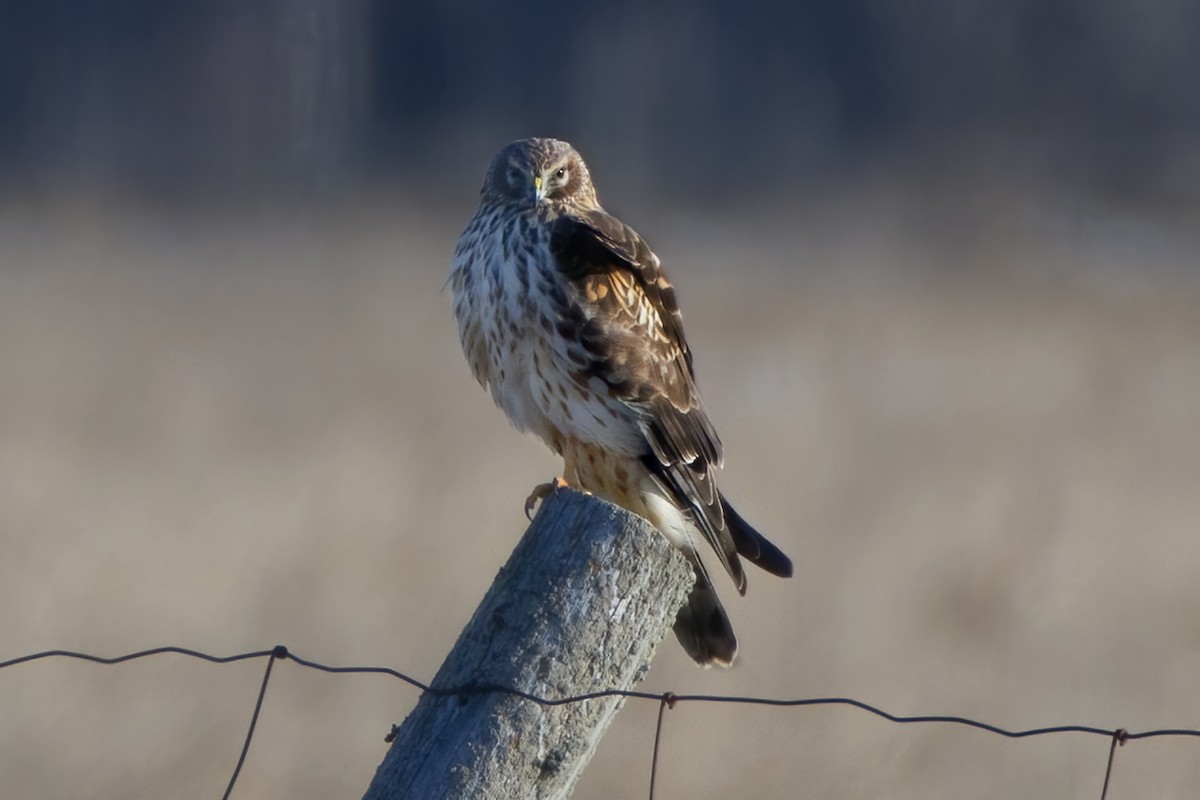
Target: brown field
984, 457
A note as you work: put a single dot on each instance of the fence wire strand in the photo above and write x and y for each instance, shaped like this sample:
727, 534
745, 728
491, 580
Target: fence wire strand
666, 701
278, 652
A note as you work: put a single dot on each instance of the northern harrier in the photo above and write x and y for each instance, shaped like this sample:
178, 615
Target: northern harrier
566, 316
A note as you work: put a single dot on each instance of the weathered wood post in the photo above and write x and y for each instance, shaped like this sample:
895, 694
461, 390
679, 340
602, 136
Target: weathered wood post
586, 596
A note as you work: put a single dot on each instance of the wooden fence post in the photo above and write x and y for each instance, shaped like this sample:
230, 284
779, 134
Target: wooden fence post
586, 596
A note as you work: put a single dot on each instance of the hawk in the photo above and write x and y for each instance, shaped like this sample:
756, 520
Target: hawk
566, 316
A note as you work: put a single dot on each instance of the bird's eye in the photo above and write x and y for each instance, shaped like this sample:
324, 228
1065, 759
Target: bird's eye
560, 174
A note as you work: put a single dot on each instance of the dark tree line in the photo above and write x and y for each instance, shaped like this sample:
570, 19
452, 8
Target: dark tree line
238, 94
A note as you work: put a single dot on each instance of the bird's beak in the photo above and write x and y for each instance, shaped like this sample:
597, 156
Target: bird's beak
538, 194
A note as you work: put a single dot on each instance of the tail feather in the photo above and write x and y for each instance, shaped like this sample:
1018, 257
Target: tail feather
753, 546
702, 626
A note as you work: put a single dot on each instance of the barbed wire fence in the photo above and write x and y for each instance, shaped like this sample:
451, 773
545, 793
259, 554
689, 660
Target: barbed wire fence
666, 701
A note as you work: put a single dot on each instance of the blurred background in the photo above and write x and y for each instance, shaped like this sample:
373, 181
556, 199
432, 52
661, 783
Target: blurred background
939, 266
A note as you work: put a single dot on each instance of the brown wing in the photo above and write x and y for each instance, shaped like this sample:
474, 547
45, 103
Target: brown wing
632, 332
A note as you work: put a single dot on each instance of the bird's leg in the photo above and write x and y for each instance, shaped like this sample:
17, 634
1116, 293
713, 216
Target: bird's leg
541, 492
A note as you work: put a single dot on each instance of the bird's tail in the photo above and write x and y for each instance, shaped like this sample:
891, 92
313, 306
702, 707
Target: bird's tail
753, 546
702, 626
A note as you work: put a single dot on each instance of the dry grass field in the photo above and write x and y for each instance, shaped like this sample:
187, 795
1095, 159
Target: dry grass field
982, 451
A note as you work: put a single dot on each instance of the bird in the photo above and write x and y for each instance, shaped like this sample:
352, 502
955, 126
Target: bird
566, 317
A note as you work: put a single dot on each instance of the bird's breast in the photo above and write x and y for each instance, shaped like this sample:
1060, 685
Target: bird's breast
511, 303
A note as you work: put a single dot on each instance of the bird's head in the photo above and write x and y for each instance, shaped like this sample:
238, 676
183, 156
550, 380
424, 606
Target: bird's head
533, 172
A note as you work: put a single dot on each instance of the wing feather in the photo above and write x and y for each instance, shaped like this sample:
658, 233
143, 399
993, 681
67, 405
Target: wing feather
632, 331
